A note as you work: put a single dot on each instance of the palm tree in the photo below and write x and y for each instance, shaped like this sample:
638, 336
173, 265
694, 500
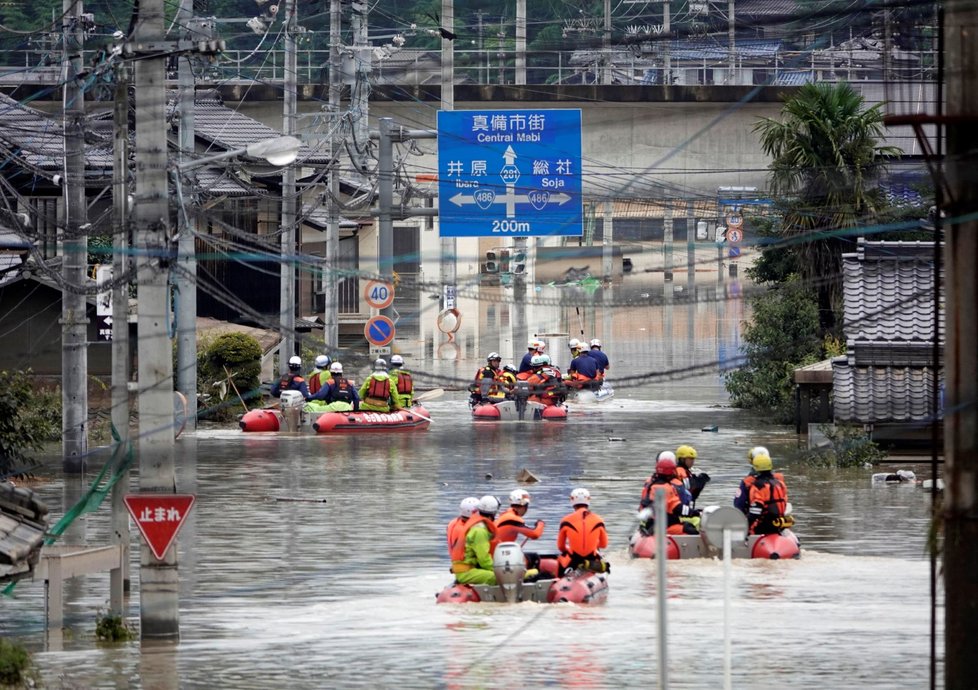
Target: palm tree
826, 158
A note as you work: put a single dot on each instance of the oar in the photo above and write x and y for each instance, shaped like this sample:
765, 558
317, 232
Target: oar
429, 395
413, 411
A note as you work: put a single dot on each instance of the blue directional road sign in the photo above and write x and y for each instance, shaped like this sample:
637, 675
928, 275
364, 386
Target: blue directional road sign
509, 173
379, 330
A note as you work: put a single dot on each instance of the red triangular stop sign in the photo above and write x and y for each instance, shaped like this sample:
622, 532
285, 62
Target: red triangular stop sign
159, 517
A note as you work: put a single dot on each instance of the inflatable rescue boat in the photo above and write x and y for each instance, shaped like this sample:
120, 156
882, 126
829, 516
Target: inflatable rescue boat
709, 542
589, 394
509, 564
414, 417
519, 410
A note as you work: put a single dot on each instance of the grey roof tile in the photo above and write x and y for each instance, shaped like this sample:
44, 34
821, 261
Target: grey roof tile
889, 292
874, 394
37, 139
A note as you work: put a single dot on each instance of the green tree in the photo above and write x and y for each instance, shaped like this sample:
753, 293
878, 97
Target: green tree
782, 335
21, 431
825, 162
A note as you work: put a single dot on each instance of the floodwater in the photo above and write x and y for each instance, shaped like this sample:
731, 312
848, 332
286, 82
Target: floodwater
314, 562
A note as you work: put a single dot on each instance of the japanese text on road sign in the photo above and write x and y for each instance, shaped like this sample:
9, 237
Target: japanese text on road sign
509, 172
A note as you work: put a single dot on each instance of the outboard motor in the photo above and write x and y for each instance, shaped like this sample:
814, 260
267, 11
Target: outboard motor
291, 403
509, 565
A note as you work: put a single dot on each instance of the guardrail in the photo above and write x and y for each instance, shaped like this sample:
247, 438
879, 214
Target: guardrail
686, 67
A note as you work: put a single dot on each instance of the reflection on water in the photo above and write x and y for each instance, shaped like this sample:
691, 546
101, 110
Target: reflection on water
313, 562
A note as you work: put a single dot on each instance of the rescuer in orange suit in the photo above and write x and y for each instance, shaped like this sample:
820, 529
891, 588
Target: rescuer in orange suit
582, 535
510, 525
679, 510
767, 499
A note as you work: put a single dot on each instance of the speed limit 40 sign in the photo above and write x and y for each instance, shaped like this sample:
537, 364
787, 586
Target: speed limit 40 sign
378, 294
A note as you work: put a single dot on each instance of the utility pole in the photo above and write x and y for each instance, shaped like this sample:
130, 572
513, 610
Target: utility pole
732, 40
385, 199
606, 44
520, 42
288, 241
74, 318
159, 579
331, 330
185, 281
448, 244
119, 578
961, 351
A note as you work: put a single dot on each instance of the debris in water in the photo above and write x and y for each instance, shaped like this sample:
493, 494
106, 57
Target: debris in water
711, 428
615, 438
488, 475
524, 475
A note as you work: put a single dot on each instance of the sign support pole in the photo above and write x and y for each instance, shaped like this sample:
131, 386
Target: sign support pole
385, 198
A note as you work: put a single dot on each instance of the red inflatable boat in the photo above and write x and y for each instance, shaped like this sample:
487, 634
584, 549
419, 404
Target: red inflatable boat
415, 417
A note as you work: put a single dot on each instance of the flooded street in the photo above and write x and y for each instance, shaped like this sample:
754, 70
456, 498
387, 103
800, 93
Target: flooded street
313, 562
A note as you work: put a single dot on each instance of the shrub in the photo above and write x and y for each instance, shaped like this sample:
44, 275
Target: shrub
110, 628
849, 446
782, 335
23, 428
16, 667
235, 353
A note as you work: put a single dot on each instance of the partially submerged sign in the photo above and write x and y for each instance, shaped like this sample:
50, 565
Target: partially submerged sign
159, 517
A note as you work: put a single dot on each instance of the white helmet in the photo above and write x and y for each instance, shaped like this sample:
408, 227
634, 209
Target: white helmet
295, 363
468, 506
755, 451
546, 359
580, 497
596, 343
538, 360
336, 368
532, 345
519, 497
574, 344
488, 505
322, 361
397, 361
493, 355
666, 455
541, 345
380, 365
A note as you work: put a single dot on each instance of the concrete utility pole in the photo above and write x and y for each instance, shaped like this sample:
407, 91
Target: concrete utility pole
185, 278
331, 277
448, 244
288, 301
385, 203
74, 318
520, 41
961, 353
732, 40
159, 579
119, 578
606, 44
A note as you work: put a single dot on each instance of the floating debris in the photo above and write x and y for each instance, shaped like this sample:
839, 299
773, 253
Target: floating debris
289, 499
488, 475
615, 438
524, 475
711, 428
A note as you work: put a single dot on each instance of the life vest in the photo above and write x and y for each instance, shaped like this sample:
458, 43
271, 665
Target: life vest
490, 374
770, 491
456, 538
378, 391
290, 382
544, 385
582, 533
673, 502
342, 390
405, 384
476, 519
316, 380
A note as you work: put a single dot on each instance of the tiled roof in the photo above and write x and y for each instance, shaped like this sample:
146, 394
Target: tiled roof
887, 374
227, 128
219, 182
766, 8
877, 394
37, 139
889, 292
718, 50
793, 78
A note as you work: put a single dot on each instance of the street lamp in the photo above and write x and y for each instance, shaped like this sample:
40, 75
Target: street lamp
279, 151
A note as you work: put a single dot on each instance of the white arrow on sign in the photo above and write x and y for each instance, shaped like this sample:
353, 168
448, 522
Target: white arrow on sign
511, 199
